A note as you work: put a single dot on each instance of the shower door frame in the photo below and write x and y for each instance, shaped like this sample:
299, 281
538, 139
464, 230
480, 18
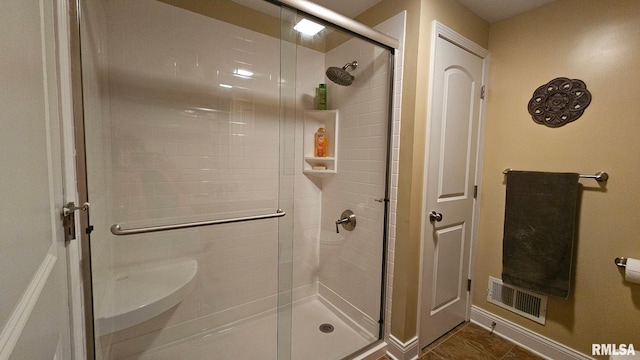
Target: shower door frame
86, 300
82, 303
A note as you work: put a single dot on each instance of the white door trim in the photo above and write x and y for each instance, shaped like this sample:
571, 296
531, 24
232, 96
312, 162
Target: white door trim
398, 350
441, 31
74, 255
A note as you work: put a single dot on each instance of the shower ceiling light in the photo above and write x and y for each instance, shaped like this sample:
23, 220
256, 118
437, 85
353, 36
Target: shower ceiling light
243, 73
308, 27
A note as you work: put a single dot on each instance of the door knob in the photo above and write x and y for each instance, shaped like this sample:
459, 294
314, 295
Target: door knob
435, 216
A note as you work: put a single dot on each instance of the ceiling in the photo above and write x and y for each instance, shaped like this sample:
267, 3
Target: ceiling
349, 8
490, 10
497, 10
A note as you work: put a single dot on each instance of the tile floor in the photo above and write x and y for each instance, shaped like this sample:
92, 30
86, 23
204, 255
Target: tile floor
472, 342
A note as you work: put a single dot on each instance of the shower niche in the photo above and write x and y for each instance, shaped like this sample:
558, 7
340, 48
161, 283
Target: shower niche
313, 120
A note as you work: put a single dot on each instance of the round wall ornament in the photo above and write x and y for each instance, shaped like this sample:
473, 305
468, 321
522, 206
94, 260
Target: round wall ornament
559, 102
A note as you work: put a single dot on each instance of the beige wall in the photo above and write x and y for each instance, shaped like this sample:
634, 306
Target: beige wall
598, 42
591, 40
420, 15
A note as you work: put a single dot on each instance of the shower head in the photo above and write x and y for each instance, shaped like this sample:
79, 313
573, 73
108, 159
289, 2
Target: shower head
342, 76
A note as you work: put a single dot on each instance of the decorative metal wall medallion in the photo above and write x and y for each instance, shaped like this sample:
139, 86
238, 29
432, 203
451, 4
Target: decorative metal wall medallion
559, 102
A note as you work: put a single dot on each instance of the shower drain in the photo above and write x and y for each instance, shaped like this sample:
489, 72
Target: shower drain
326, 328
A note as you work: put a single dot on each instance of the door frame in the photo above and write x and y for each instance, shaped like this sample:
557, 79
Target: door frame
441, 31
78, 255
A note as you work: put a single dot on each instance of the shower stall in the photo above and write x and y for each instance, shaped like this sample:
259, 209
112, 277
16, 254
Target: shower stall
215, 229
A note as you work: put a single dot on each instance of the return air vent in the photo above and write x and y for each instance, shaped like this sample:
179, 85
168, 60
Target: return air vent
522, 302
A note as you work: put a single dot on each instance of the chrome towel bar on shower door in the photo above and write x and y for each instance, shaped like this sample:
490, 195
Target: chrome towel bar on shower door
117, 230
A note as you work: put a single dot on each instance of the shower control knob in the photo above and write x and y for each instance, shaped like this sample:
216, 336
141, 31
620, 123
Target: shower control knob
347, 220
435, 216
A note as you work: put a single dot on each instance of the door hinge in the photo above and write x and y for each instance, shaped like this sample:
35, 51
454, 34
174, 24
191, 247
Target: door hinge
475, 191
69, 219
482, 90
468, 284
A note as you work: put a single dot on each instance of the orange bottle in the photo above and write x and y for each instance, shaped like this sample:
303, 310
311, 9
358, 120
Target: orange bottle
320, 149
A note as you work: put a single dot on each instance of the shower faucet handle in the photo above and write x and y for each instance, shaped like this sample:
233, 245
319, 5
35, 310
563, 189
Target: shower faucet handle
347, 220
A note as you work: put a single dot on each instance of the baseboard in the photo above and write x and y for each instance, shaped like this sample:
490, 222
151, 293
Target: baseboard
541, 345
398, 350
375, 353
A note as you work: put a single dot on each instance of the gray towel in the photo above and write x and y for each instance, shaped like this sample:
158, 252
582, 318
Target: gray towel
539, 224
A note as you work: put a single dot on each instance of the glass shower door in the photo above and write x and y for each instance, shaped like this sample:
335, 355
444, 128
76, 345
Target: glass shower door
199, 117
184, 128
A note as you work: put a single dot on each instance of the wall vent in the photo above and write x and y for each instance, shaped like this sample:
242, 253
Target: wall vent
522, 302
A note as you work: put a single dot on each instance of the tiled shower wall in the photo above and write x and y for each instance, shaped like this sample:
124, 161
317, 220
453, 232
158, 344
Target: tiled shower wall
308, 192
184, 148
184, 145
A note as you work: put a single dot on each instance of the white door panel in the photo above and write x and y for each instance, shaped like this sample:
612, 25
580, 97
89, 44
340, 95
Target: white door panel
33, 301
450, 166
457, 121
448, 254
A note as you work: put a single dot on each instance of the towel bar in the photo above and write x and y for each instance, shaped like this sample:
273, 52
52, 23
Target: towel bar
621, 262
117, 229
600, 176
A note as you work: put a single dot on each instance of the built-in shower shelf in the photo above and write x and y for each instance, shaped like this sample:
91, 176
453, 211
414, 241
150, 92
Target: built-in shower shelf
327, 162
313, 120
137, 294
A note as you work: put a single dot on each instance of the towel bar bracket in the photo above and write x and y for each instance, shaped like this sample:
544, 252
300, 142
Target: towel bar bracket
600, 176
621, 262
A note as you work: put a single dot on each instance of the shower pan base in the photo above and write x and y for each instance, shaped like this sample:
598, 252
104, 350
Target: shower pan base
256, 338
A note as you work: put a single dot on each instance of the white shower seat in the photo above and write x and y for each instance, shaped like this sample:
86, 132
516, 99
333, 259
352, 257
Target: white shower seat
139, 293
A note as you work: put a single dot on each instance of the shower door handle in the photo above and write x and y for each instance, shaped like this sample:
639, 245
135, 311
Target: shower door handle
435, 216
